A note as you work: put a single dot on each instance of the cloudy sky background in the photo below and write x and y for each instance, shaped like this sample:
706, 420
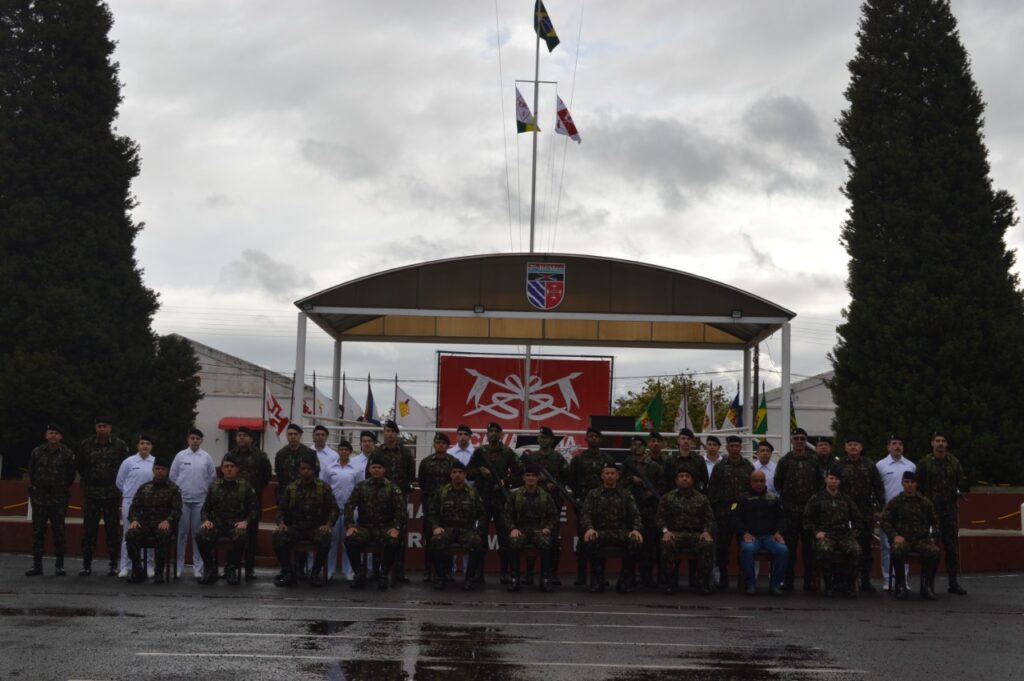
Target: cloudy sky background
289, 147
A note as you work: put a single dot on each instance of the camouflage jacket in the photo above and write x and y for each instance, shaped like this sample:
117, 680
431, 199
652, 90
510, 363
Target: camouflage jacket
585, 472
610, 509
434, 473
531, 512
452, 507
504, 461
693, 463
830, 514
797, 479
286, 465
379, 503
254, 466
730, 481
644, 499
861, 481
156, 502
940, 479
555, 464
98, 463
910, 517
229, 502
308, 504
50, 474
689, 511
399, 465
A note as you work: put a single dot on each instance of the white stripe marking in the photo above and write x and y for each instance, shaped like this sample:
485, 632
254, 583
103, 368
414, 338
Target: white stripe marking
352, 637
508, 612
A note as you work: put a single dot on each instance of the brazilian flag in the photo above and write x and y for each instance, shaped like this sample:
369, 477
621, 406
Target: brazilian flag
542, 24
651, 418
761, 420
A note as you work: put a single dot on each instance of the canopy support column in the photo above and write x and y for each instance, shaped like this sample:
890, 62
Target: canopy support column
747, 413
785, 395
299, 384
336, 381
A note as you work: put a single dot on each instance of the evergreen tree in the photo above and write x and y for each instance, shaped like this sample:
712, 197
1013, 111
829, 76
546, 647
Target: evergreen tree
934, 334
75, 334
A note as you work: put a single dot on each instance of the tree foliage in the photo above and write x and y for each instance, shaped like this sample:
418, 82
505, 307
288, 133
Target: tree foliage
634, 403
933, 336
75, 326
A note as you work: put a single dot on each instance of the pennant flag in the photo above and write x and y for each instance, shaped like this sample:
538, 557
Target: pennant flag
651, 418
761, 420
275, 412
525, 122
370, 414
411, 414
349, 407
542, 24
709, 411
317, 406
734, 417
683, 413
792, 414
564, 125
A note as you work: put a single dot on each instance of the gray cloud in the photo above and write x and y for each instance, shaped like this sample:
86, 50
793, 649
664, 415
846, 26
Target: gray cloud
216, 201
342, 161
280, 280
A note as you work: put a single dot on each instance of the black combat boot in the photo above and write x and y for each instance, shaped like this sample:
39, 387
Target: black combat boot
954, 586
37, 566
625, 583
581, 568
513, 563
671, 579
355, 559
554, 561
286, 577
900, 576
597, 583
504, 558
545, 572
829, 579
865, 583
387, 560
475, 564
112, 568
441, 564
159, 567
531, 562
232, 571
86, 566
928, 581
250, 563
850, 582
316, 573
59, 571
210, 572
138, 571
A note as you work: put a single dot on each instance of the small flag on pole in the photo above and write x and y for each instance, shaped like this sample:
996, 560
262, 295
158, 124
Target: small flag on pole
275, 412
370, 411
542, 24
709, 412
761, 420
525, 121
683, 413
565, 125
734, 417
651, 418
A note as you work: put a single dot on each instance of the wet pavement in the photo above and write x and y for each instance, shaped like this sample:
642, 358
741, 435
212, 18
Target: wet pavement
104, 628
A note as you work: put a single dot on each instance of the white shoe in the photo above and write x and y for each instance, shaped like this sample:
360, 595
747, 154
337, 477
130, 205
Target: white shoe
350, 576
150, 571
123, 574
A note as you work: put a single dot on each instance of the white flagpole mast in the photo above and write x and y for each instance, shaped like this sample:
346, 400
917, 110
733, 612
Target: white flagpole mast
533, 208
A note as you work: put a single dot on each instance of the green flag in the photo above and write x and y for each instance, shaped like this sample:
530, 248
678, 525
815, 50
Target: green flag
792, 414
761, 420
651, 418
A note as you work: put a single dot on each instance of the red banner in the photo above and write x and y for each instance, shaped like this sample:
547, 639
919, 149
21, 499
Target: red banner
564, 393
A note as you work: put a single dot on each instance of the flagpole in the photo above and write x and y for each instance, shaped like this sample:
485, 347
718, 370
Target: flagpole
263, 412
396, 397
314, 397
533, 216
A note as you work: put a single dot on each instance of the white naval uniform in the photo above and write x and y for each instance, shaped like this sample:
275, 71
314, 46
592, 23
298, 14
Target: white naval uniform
135, 471
193, 473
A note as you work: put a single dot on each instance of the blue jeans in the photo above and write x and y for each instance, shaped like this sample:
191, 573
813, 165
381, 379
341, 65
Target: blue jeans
780, 558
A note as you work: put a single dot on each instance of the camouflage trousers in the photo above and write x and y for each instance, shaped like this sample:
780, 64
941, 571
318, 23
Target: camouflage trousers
925, 547
92, 511
149, 534
836, 545
608, 539
687, 541
531, 538
460, 537
284, 540
865, 533
949, 533
53, 514
208, 538
373, 535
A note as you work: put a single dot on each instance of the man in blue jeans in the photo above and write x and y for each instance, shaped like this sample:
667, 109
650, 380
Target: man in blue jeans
759, 520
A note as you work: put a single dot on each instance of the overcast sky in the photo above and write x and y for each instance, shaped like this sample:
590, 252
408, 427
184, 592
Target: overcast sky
289, 147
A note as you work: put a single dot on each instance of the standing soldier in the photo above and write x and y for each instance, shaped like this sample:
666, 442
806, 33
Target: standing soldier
286, 461
823, 452
907, 521
891, 470
151, 518
254, 467
399, 468
494, 458
454, 515
532, 519
686, 458
435, 472
99, 458
862, 483
192, 471
228, 512
832, 519
797, 478
730, 480
552, 461
307, 512
642, 478
611, 519
940, 477
51, 470
135, 471
686, 523
655, 445
585, 472
380, 505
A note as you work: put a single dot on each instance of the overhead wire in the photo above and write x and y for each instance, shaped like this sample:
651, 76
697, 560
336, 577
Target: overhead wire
504, 127
565, 148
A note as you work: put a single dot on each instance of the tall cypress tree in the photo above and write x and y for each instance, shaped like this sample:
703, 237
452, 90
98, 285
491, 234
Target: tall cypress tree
75, 322
933, 338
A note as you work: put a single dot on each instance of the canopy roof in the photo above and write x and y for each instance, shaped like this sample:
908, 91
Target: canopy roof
482, 299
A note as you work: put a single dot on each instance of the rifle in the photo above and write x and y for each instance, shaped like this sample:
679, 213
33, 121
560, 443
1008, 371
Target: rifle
631, 468
495, 478
562, 490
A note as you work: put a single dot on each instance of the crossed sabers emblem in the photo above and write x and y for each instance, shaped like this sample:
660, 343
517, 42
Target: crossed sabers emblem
542, 405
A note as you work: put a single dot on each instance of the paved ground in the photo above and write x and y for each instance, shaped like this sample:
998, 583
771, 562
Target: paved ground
104, 628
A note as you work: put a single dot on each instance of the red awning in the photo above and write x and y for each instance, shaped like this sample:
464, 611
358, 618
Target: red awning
236, 422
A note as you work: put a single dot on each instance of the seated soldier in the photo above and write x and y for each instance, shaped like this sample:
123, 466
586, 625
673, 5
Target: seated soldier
381, 508
687, 524
455, 514
154, 512
306, 512
906, 522
760, 523
532, 519
830, 518
610, 519
230, 508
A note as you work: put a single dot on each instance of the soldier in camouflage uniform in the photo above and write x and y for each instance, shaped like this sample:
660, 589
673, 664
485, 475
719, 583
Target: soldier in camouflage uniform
611, 519
585, 475
494, 492
306, 513
555, 464
647, 501
51, 470
823, 452
532, 519
908, 521
686, 523
229, 511
400, 469
798, 477
455, 513
863, 484
98, 460
286, 461
254, 466
382, 515
730, 481
434, 472
940, 477
832, 519
155, 510
686, 458
655, 449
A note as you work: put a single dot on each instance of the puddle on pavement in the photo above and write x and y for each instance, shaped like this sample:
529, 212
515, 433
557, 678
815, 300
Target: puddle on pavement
326, 627
62, 612
748, 664
375, 670
462, 643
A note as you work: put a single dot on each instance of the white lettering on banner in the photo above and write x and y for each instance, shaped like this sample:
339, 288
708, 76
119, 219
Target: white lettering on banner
415, 540
503, 402
492, 542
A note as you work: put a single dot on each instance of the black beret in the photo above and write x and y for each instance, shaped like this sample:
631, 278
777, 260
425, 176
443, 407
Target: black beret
686, 431
494, 425
836, 471
734, 438
532, 468
103, 419
310, 460
55, 428
713, 438
320, 427
145, 438
654, 435
195, 431
458, 466
610, 464
639, 438
895, 437
442, 437
161, 461
294, 426
684, 471
463, 428
245, 430
594, 430
799, 431
372, 434
765, 443
547, 432
855, 438
345, 444
378, 460
392, 424
823, 438
230, 458
938, 433
909, 475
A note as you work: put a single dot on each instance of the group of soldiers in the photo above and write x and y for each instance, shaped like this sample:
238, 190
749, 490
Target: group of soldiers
652, 509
